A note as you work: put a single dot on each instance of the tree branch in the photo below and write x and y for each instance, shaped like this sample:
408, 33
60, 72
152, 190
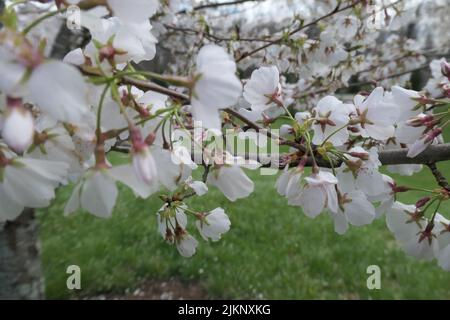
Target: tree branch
359, 84
394, 75
269, 134
217, 4
213, 37
147, 85
300, 28
440, 179
434, 153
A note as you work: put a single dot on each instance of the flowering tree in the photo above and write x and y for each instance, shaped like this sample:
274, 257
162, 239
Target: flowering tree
60, 119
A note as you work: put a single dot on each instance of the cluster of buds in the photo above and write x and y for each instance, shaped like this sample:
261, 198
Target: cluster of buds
423, 120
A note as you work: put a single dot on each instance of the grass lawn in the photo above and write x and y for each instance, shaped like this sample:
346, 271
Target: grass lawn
272, 251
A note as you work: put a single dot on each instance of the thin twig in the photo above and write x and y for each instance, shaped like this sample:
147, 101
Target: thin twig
440, 179
300, 28
216, 5
269, 134
147, 85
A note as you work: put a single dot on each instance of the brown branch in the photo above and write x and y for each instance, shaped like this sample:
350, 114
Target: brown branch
440, 179
433, 154
394, 75
300, 28
216, 5
269, 134
147, 85
213, 37
359, 84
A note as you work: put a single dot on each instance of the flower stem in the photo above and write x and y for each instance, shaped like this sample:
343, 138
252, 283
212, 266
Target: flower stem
175, 80
116, 96
435, 210
99, 112
308, 142
36, 22
333, 133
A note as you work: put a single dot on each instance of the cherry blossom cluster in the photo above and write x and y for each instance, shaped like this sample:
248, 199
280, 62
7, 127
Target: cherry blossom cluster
60, 120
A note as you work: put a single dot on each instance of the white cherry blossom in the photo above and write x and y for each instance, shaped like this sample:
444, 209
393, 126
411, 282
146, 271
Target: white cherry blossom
213, 224
354, 209
28, 183
263, 89
377, 116
331, 115
186, 245
410, 228
216, 85
317, 194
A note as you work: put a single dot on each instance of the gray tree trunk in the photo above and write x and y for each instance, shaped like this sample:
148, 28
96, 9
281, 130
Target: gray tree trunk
20, 264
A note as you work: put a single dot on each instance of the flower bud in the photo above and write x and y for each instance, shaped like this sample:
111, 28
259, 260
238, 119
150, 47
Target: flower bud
106, 52
353, 129
421, 202
398, 189
360, 155
285, 130
430, 136
420, 120
150, 139
213, 224
143, 163
446, 90
18, 126
445, 68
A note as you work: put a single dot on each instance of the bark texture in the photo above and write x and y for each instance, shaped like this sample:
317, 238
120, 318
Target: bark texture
20, 265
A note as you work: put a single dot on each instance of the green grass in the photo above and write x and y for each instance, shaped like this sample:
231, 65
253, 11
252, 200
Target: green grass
272, 251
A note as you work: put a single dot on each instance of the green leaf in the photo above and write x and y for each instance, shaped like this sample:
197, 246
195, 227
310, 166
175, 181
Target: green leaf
9, 18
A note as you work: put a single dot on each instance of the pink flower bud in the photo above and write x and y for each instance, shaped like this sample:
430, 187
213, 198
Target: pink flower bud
445, 69
106, 52
420, 120
421, 202
430, 136
150, 139
18, 126
143, 163
446, 89
360, 155
144, 166
137, 141
398, 189
353, 129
